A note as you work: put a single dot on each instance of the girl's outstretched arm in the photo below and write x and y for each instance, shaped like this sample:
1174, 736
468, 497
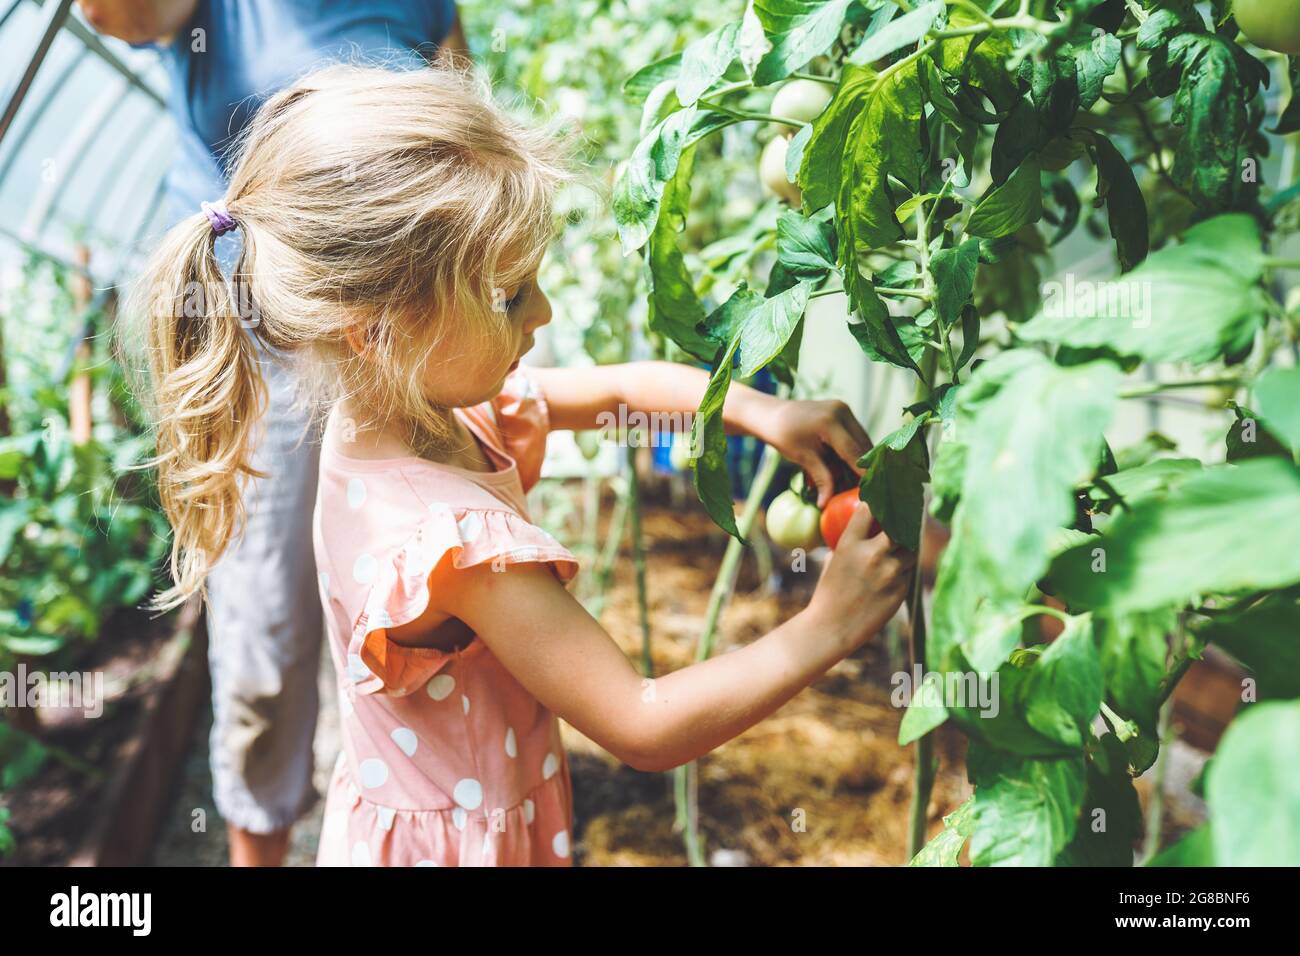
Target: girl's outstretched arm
804, 432
561, 655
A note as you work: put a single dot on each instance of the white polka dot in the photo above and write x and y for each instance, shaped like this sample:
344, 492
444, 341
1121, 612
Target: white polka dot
345, 705
386, 815
560, 844
512, 746
356, 493
468, 793
365, 569
530, 810
441, 686
378, 618
357, 668
404, 737
464, 703
426, 863
470, 526
458, 817
361, 854
324, 581
487, 844
549, 766
374, 772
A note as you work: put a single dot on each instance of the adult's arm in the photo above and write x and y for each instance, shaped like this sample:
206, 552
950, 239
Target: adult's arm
138, 21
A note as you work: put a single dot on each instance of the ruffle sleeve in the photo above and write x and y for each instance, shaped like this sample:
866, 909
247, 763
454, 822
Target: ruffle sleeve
448, 537
524, 420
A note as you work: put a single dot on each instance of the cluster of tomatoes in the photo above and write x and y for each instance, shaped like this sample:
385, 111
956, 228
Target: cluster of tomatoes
793, 522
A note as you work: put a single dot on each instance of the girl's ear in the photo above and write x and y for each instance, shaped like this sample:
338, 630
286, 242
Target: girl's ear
358, 339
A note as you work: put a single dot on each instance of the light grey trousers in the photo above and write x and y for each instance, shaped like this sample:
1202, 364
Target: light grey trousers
264, 626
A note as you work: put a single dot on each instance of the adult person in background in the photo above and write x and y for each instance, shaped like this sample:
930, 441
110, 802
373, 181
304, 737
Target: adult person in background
264, 616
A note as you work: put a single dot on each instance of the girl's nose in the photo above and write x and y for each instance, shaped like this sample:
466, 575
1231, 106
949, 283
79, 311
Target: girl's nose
541, 315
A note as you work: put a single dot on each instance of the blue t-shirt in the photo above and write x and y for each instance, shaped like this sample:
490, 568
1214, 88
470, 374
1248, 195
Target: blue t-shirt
250, 49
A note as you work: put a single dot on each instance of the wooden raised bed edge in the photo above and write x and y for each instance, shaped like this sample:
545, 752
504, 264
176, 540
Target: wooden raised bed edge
133, 802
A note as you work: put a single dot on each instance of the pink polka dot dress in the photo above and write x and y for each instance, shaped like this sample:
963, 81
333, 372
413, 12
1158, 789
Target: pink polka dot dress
447, 760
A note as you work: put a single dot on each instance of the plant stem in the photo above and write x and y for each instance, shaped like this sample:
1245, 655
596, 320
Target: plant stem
605, 566
638, 555
750, 114
828, 80
683, 776
1140, 391
913, 293
1275, 263
923, 753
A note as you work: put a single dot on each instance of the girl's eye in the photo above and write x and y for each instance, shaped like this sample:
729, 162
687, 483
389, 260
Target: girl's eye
511, 303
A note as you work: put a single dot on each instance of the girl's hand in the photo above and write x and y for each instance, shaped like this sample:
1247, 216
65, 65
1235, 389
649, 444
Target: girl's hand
865, 581
812, 435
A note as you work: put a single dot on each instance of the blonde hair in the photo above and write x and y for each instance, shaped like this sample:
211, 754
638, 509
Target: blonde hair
386, 204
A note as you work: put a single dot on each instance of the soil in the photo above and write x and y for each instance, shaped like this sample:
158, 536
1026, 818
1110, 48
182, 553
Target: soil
52, 811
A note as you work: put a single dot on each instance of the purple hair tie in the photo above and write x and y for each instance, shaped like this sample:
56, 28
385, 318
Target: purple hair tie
218, 216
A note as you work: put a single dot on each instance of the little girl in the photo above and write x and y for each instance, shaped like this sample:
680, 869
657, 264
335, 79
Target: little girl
392, 227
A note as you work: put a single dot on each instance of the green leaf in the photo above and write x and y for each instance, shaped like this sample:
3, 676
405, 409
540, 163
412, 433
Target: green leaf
1125, 208
1155, 477
1112, 817
1266, 638
1247, 439
652, 165
712, 479
1194, 849
804, 247
761, 327
822, 164
1025, 433
884, 141
1063, 691
1026, 810
1193, 302
945, 848
925, 711
21, 756
954, 276
1094, 60
1006, 208
904, 31
1277, 397
798, 31
879, 334
1155, 554
893, 483
674, 308
1253, 790
1134, 649
704, 61
1214, 85
639, 84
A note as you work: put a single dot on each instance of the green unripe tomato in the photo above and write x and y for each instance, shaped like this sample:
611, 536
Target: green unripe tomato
793, 524
771, 171
588, 443
801, 100
1271, 24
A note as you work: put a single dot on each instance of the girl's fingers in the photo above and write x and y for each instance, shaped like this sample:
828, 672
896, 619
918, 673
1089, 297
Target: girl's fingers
856, 431
821, 476
846, 445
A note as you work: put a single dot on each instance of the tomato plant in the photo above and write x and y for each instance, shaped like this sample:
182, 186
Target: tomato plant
962, 141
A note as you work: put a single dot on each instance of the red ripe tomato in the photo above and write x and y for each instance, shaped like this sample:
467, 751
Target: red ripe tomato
836, 515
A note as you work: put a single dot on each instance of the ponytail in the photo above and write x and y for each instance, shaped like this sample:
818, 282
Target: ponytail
207, 394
